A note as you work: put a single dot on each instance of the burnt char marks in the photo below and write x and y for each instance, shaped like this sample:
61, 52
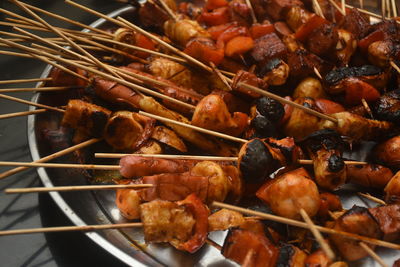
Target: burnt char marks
388, 107
327, 138
255, 161
336, 75
285, 255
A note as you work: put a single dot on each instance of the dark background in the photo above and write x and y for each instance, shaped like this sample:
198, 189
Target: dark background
33, 210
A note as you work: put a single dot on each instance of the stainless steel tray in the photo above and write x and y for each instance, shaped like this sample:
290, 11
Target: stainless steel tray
85, 208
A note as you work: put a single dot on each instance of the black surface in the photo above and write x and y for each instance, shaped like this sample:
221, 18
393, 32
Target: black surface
31, 210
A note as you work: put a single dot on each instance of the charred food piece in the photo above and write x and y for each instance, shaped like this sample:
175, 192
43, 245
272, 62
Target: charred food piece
256, 161
270, 108
388, 107
357, 220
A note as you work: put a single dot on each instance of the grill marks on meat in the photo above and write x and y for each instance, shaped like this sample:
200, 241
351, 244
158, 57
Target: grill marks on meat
268, 47
369, 175
388, 107
357, 220
322, 41
337, 75
302, 63
388, 218
86, 117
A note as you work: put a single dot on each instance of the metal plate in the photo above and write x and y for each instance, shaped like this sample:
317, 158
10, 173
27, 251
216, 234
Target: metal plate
85, 208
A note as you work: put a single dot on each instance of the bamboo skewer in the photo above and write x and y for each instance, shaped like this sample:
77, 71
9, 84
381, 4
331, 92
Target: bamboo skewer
333, 3
190, 157
318, 9
52, 156
252, 13
394, 8
202, 130
36, 89
100, 73
85, 228
316, 71
73, 22
170, 47
324, 245
220, 76
62, 35
372, 198
373, 254
168, 10
283, 100
23, 113
343, 6
25, 80
74, 188
395, 66
61, 165
31, 103
304, 225
164, 156
138, 48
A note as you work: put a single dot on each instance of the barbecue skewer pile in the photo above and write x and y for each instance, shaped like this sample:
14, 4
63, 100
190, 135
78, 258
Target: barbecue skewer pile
265, 89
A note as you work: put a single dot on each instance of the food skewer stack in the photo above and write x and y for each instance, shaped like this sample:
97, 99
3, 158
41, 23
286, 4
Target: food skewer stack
259, 90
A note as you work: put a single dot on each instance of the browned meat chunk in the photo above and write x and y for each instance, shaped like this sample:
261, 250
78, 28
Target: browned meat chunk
369, 175
268, 47
322, 41
277, 9
291, 256
388, 218
359, 221
356, 23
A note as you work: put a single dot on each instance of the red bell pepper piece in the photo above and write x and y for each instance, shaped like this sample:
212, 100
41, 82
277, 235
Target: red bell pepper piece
229, 34
364, 43
258, 30
238, 46
328, 106
204, 52
357, 90
216, 17
200, 213
307, 28
216, 31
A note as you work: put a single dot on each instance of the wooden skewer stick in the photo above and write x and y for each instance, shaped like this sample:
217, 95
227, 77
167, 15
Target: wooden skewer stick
394, 8
383, 10
85, 228
164, 156
368, 196
73, 22
174, 58
202, 130
25, 80
170, 47
61, 165
333, 3
296, 223
220, 76
316, 71
37, 89
74, 188
52, 156
373, 254
343, 6
294, 104
215, 158
124, 23
324, 245
15, 54
252, 13
395, 66
347, 162
100, 73
168, 10
367, 108
23, 113
62, 35
31, 103
318, 9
